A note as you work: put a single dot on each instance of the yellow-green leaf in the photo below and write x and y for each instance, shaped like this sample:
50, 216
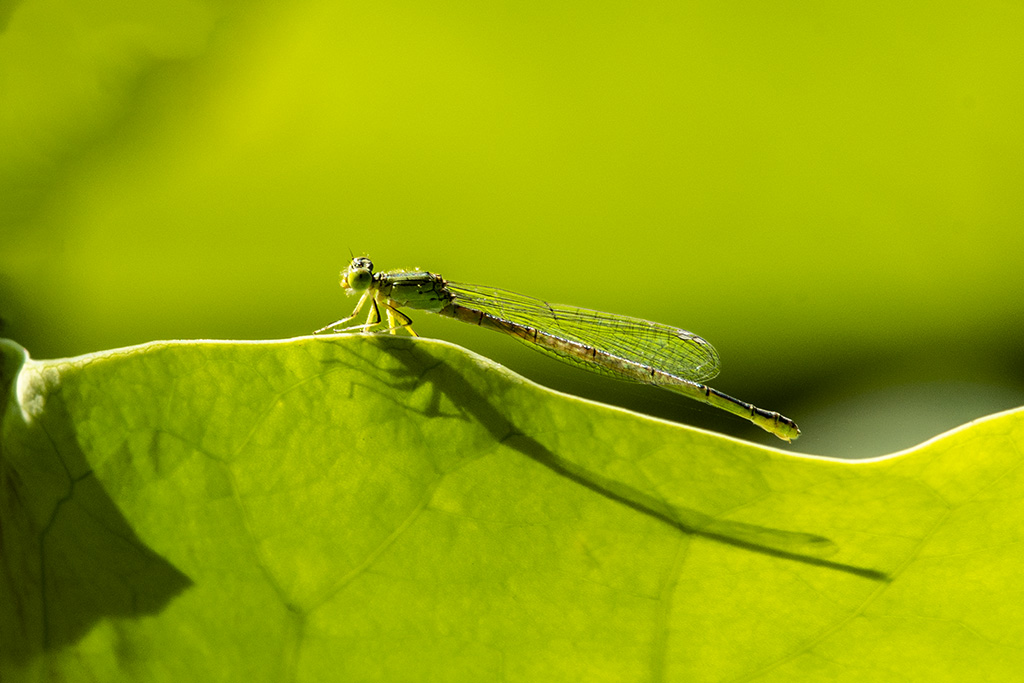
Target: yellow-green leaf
394, 509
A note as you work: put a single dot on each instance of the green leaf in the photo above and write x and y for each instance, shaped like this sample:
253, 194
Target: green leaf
392, 509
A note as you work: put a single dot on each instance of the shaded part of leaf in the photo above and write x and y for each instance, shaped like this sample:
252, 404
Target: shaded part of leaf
65, 567
795, 546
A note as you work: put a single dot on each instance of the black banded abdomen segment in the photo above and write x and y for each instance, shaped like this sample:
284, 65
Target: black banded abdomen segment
571, 352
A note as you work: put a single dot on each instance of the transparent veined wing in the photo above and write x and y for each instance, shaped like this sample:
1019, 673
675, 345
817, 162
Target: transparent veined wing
640, 342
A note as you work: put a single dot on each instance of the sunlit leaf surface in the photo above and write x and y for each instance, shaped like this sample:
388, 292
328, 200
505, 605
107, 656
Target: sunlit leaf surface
390, 509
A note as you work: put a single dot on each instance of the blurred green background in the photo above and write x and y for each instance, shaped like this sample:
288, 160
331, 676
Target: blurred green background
831, 194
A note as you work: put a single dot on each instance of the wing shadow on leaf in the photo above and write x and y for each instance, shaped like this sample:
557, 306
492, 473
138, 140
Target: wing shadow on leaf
423, 366
68, 557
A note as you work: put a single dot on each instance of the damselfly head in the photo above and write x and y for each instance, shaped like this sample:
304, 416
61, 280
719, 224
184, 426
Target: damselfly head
358, 275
